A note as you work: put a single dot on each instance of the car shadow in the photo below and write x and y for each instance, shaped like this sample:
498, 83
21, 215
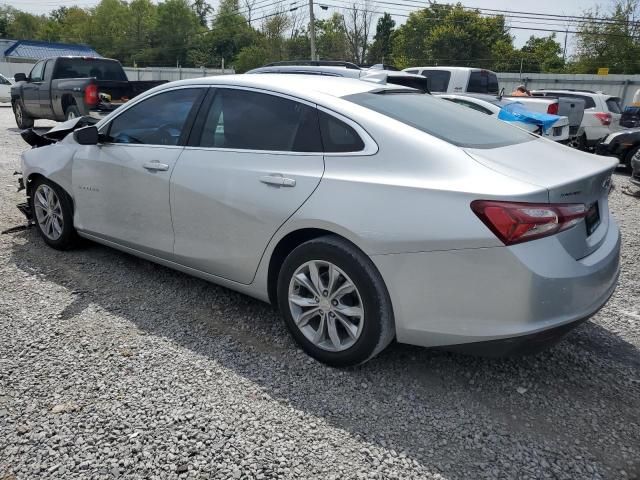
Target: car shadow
421, 402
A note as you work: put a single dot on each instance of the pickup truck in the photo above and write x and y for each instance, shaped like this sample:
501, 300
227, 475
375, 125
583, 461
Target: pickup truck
572, 108
458, 79
62, 88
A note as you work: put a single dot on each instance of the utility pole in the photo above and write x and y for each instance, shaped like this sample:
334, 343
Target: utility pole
312, 30
564, 52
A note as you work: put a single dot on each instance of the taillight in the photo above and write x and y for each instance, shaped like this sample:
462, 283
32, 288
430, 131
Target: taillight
91, 94
553, 109
605, 118
514, 222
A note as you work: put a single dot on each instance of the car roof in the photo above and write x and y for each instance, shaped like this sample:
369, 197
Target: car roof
465, 69
310, 69
311, 87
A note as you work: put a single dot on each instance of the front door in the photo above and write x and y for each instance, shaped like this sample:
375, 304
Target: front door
252, 161
30, 90
121, 186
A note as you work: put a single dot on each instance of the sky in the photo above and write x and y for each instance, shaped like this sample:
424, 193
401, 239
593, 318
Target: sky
556, 7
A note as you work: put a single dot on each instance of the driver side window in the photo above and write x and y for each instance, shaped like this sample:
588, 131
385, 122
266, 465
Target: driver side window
158, 120
36, 72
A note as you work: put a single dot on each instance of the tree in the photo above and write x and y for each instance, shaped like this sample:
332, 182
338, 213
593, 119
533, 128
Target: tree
357, 25
331, 38
613, 43
176, 29
449, 34
542, 54
380, 50
203, 10
230, 32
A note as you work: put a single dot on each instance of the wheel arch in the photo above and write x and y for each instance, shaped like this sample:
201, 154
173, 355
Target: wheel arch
36, 175
290, 242
66, 101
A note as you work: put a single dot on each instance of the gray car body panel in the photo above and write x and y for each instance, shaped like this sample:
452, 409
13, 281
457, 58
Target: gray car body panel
405, 203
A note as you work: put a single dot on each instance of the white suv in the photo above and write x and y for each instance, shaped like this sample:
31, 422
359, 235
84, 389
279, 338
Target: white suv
601, 114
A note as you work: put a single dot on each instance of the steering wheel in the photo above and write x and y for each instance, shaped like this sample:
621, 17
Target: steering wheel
164, 135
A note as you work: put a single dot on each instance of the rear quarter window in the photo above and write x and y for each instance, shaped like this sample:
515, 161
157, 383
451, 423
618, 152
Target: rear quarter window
438, 79
483, 81
613, 104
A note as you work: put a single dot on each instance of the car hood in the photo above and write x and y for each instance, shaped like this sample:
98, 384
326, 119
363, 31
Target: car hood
56, 133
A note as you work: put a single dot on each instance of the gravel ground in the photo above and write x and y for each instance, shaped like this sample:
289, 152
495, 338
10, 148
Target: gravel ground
114, 367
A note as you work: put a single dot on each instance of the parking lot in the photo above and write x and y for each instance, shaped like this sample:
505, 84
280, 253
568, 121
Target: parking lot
114, 367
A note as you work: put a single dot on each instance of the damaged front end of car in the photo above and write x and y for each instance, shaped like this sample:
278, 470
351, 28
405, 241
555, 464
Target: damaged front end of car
39, 140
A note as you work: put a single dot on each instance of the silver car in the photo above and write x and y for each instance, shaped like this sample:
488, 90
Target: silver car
365, 212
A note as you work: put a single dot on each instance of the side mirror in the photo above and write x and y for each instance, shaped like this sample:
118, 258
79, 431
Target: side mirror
87, 135
20, 77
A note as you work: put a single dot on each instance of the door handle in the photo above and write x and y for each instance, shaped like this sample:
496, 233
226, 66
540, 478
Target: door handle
156, 166
278, 181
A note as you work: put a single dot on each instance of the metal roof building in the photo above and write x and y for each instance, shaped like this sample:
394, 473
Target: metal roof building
34, 50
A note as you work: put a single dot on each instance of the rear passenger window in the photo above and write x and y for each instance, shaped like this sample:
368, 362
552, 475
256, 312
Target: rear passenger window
245, 120
337, 136
613, 104
438, 79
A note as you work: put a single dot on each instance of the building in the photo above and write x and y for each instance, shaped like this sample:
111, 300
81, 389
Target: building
30, 51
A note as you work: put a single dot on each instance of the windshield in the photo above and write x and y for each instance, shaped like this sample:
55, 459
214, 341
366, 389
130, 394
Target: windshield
101, 69
483, 81
452, 123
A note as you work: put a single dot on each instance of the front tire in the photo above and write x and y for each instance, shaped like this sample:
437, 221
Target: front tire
334, 302
635, 152
52, 212
23, 120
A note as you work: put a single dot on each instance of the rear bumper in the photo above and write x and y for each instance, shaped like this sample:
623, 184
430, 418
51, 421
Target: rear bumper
463, 297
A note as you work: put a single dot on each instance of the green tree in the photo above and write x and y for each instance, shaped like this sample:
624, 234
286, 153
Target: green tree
331, 38
203, 10
449, 34
175, 31
380, 50
143, 16
614, 44
542, 54
24, 26
230, 33
109, 34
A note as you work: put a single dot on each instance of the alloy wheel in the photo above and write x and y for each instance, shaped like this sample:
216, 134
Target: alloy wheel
326, 306
48, 212
18, 112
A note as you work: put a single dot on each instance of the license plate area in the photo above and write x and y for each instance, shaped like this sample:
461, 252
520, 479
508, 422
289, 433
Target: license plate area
592, 219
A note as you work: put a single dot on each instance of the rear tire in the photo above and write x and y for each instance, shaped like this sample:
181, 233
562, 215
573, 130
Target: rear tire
331, 321
71, 112
23, 120
635, 152
52, 212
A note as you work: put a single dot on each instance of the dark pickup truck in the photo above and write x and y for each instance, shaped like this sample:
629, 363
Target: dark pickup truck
62, 88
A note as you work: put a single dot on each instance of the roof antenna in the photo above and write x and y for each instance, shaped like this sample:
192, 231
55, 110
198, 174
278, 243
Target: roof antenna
501, 94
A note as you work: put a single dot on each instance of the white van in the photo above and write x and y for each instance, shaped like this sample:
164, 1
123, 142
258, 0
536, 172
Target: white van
458, 79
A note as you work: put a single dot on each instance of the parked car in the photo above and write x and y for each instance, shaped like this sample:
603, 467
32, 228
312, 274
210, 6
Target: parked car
345, 69
625, 145
630, 117
602, 114
61, 88
362, 210
572, 108
5, 89
458, 79
493, 105
635, 170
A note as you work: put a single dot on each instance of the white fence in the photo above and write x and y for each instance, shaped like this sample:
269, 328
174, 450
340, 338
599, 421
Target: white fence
623, 86
9, 69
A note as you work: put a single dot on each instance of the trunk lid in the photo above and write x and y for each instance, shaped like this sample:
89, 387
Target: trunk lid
568, 175
573, 109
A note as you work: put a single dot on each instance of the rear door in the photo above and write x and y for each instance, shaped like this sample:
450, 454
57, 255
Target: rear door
253, 159
121, 186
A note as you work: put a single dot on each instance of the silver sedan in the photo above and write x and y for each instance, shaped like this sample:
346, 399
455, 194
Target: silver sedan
364, 211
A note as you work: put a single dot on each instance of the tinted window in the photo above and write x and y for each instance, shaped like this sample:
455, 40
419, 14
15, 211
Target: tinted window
99, 68
36, 72
445, 120
438, 79
613, 104
419, 83
246, 120
473, 106
4, 81
483, 81
337, 136
158, 120
413, 71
